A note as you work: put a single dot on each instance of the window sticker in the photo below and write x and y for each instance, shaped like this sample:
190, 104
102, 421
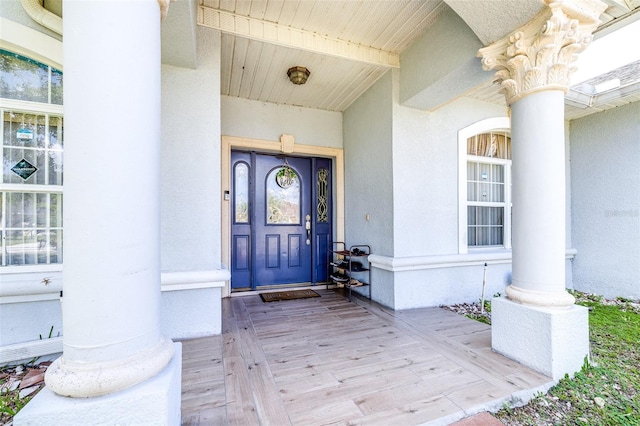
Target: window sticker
24, 169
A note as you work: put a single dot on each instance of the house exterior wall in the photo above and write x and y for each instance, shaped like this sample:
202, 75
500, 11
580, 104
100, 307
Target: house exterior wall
369, 169
191, 195
260, 120
425, 172
368, 153
605, 154
30, 320
190, 158
425, 169
420, 265
442, 64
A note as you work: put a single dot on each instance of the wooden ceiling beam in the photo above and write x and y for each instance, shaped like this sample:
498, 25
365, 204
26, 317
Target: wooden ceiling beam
281, 35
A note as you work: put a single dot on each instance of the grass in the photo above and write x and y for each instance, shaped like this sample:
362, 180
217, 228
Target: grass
10, 404
606, 391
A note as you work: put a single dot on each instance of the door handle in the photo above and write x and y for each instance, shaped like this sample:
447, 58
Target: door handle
308, 226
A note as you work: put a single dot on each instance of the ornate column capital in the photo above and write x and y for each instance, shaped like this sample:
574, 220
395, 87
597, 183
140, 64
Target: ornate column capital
540, 55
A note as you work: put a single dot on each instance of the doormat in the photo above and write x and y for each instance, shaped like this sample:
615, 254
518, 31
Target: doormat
288, 295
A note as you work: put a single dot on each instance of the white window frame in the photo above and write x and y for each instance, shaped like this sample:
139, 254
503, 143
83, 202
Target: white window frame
38, 108
496, 124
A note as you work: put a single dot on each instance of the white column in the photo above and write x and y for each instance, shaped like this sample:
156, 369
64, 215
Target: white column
111, 317
534, 65
538, 194
538, 323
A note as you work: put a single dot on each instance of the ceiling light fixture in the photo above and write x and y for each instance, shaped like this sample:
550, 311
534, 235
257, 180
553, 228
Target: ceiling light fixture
298, 75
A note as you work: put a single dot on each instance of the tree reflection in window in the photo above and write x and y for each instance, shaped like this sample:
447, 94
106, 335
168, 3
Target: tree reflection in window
241, 193
25, 79
283, 200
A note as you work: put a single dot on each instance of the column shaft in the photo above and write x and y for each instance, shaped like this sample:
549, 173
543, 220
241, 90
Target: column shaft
538, 223
111, 201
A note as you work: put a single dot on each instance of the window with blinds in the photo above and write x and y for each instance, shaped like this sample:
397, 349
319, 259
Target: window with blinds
489, 190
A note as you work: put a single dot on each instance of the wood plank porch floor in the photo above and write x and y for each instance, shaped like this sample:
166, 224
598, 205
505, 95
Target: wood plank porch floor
326, 360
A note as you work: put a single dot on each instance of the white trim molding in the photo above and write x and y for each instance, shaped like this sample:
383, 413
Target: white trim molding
191, 280
30, 350
29, 42
416, 263
42, 16
29, 284
270, 32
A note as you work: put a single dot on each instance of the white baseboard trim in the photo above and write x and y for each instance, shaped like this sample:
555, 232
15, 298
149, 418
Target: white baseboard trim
30, 350
415, 263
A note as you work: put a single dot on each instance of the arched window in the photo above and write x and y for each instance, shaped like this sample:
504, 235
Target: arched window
283, 197
32, 159
485, 185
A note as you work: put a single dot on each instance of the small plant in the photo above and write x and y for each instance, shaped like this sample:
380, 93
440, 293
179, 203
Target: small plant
50, 333
10, 403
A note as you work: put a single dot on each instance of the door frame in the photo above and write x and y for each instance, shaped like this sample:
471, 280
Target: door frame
286, 145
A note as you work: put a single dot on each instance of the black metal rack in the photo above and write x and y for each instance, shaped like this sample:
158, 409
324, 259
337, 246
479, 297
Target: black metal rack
346, 267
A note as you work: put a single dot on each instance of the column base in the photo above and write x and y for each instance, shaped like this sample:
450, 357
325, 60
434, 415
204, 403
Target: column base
155, 401
552, 341
558, 299
82, 380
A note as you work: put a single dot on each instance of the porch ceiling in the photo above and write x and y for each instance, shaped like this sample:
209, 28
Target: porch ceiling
346, 44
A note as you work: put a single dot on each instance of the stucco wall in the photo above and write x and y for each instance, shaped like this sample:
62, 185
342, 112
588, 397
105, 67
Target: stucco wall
29, 321
442, 64
425, 168
261, 120
605, 176
369, 169
422, 171
368, 129
425, 153
190, 181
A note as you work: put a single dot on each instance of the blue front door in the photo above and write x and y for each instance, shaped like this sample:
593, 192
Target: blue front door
280, 229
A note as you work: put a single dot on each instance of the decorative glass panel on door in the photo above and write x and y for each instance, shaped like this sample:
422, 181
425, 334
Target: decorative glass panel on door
241, 193
323, 197
283, 197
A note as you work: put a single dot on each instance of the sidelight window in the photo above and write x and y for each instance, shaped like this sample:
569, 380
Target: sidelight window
241, 193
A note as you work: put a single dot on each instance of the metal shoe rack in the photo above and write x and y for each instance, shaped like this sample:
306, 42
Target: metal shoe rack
349, 268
